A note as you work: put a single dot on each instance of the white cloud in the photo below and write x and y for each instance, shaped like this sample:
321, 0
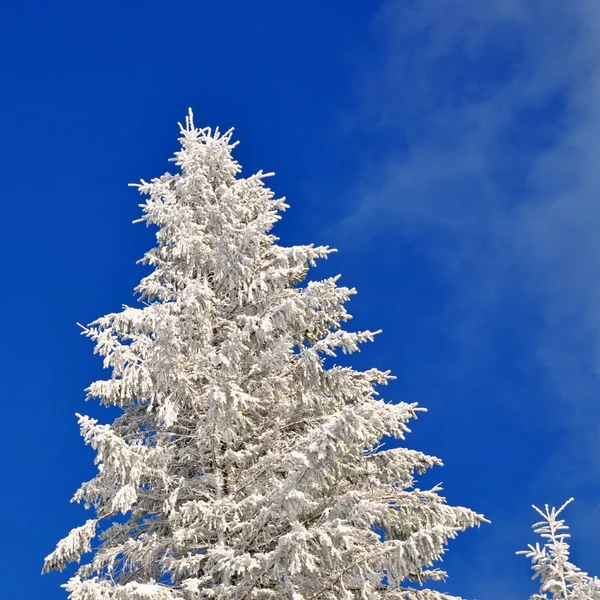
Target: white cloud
494, 109
489, 116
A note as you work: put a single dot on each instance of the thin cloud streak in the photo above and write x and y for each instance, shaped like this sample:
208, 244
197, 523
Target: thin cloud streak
489, 116
495, 108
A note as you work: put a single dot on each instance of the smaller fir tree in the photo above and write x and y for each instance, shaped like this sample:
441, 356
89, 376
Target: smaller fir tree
246, 468
559, 578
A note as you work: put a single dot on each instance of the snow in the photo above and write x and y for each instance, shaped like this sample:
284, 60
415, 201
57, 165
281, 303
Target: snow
245, 467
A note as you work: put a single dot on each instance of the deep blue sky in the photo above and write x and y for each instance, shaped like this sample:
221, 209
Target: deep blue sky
446, 148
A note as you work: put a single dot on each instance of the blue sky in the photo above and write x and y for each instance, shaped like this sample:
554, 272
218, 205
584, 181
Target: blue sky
447, 148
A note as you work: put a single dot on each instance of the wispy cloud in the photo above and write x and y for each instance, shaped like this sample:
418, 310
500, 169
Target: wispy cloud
488, 119
492, 114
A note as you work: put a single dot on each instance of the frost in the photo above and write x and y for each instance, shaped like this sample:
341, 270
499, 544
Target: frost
245, 467
72, 547
559, 578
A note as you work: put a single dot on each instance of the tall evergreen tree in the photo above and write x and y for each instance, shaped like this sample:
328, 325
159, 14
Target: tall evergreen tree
245, 467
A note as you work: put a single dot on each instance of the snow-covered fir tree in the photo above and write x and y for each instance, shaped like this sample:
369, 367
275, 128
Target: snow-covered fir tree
246, 467
559, 578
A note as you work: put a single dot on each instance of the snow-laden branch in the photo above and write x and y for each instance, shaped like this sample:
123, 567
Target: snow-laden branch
559, 578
